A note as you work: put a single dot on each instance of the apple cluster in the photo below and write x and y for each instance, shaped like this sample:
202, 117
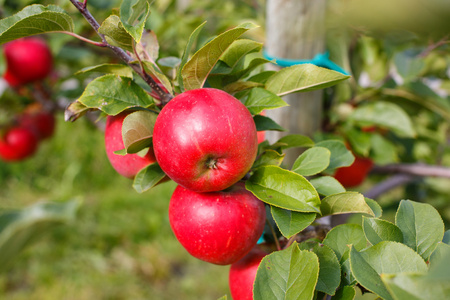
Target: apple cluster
27, 60
206, 141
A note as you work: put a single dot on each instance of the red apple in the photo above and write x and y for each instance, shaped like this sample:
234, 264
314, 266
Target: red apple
354, 174
17, 144
42, 122
126, 165
217, 227
205, 140
243, 273
28, 60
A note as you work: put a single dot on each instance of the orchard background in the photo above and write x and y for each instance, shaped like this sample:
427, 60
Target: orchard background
116, 243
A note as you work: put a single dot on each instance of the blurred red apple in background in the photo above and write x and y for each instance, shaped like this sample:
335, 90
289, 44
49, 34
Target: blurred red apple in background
17, 144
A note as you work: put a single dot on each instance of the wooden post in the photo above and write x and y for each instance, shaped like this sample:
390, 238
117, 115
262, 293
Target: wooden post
295, 30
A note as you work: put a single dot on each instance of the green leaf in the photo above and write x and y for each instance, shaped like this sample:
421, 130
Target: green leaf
284, 189
345, 293
360, 141
185, 57
313, 161
291, 222
293, 141
148, 177
375, 207
330, 270
35, 19
137, 130
421, 225
116, 69
281, 275
383, 258
383, 150
239, 86
264, 123
196, 70
327, 185
113, 94
115, 34
133, 14
260, 99
268, 157
438, 260
74, 111
384, 114
343, 235
238, 50
224, 297
409, 64
303, 78
342, 203
21, 228
377, 230
415, 287
340, 155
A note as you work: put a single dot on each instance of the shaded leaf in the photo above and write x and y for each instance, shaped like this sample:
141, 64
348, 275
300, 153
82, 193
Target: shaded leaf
148, 177
375, 207
284, 189
291, 222
137, 130
35, 19
264, 123
238, 50
268, 157
377, 230
345, 293
293, 141
302, 78
342, 203
330, 269
313, 161
74, 111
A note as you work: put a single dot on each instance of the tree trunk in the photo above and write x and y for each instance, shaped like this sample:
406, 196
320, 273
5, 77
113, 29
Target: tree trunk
295, 30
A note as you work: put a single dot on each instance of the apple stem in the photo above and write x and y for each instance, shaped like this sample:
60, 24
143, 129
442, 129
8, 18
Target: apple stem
98, 44
272, 230
164, 96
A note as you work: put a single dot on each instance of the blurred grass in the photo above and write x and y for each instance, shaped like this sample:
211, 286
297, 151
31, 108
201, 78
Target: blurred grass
121, 245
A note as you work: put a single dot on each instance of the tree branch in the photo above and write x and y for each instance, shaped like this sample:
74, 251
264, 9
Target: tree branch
413, 169
163, 95
390, 183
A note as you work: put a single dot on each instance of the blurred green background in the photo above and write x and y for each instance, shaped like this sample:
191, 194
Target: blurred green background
119, 247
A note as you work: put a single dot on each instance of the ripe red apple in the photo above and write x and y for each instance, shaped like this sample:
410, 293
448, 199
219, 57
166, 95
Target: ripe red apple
243, 273
42, 122
17, 144
126, 165
217, 227
28, 60
205, 140
354, 174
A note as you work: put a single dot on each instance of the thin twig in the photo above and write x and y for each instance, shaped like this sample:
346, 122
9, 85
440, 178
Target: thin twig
413, 169
164, 96
277, 242
98, 44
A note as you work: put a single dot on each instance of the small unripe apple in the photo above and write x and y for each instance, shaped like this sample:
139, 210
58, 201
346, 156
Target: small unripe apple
126, 165
354, 174
205, 140
17, 144
242, 274
217, 227
42, 122
28, 60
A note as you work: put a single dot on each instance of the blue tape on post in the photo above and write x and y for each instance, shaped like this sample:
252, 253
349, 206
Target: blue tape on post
320, 60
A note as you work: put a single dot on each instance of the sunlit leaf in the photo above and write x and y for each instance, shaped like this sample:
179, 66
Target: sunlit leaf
342, 203
313, 161
291, 222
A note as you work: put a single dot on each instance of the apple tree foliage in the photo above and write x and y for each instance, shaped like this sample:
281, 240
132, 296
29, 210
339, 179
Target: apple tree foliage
310, 261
